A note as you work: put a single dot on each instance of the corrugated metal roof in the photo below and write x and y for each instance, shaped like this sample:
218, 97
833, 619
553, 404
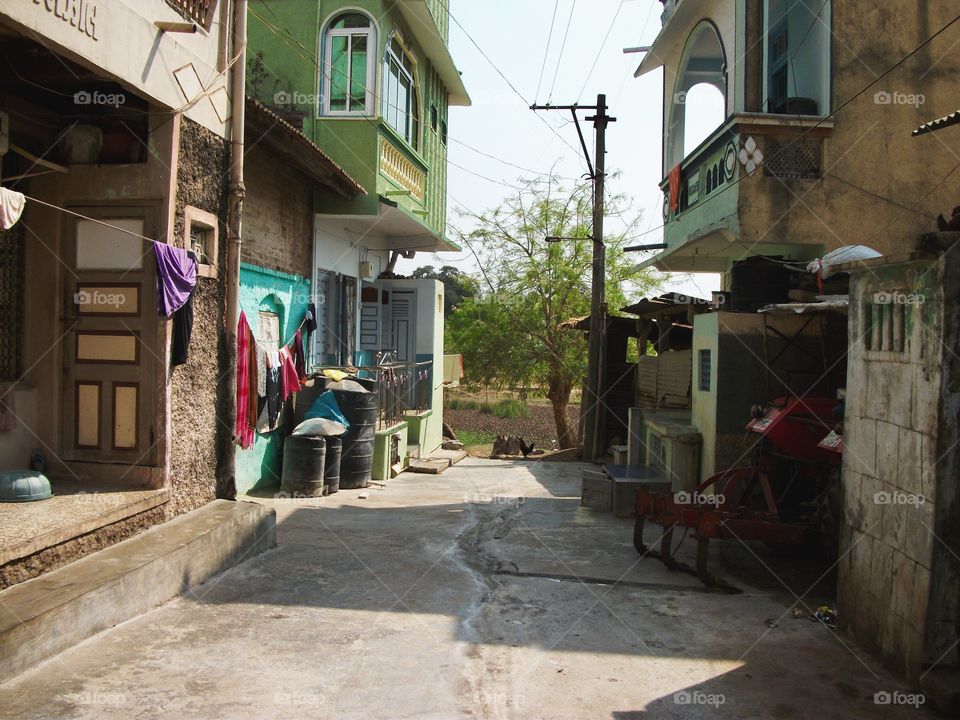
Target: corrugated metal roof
258, 108
939, 124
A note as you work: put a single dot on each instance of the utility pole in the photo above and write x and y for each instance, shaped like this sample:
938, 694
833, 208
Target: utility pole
591, 412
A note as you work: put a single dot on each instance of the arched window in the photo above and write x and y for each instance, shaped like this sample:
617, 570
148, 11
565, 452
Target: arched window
401, 102
349, 76
699, 103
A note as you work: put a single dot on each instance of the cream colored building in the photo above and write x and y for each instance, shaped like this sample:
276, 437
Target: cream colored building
115, 126
811, 151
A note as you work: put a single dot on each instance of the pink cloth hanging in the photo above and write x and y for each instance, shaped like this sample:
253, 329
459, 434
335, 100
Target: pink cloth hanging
245, 432
289, 380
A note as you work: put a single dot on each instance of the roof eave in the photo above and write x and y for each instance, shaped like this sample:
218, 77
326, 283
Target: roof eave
682, 18
424, 27
320, 166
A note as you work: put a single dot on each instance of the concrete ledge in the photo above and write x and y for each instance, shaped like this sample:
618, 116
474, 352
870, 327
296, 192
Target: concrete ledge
44, 616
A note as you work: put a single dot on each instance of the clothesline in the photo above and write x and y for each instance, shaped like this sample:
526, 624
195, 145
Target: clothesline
133, 234
306, 317
86, 217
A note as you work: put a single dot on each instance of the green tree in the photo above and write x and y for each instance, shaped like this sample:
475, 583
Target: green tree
513, 333
457, 285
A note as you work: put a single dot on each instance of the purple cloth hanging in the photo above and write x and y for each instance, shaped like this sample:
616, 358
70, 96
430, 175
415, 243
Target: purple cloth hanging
176, 277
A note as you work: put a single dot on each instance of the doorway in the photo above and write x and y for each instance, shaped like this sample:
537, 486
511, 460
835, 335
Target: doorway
111, 355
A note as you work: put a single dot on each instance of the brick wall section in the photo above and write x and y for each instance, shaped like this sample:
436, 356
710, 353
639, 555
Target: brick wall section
277, 215
202, 180
894, 488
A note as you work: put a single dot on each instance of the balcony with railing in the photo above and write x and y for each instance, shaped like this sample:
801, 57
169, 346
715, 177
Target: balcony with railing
735, 177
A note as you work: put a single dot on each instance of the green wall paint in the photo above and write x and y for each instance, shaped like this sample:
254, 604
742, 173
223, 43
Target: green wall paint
258, 466
290, 37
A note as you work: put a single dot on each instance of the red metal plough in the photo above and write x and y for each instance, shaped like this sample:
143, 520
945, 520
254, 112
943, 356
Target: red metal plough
744, 503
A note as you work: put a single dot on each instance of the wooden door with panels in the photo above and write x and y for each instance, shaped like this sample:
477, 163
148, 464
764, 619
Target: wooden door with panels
111, 356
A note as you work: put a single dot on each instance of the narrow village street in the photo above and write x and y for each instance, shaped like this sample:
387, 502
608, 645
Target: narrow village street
485, 592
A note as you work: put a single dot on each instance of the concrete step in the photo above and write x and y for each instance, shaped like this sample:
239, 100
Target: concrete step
48, 614
437, 462
429, 465
454, 456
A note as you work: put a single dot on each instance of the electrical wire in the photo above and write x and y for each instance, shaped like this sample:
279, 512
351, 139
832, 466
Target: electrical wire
546, 50
563, 45
800, 136
877, 195
445, 5
600, 51
310, 57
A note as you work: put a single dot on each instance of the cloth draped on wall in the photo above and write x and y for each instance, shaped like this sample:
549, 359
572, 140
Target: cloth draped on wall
176, 283
176, 277
246, 384
274, 391
182, 330
675, 177
299, 360
289, 379
11, 207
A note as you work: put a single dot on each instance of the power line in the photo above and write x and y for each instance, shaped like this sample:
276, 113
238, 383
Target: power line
546, 50
507, 162
445, 5
800, 136
312, 58
600, 51
563, 45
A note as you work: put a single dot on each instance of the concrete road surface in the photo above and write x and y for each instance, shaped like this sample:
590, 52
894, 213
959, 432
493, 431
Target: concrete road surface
485, 592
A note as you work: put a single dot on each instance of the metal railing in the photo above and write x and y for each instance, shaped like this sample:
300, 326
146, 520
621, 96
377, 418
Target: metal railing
402, 388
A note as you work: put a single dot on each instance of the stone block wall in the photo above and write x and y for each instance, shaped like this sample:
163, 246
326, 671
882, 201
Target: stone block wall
202, 177
895, 481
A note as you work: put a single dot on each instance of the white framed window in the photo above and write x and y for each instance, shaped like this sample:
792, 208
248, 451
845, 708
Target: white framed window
349, 65
401, 102
200, 233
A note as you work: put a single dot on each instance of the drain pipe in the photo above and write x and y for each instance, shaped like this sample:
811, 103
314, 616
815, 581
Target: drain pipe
226, 466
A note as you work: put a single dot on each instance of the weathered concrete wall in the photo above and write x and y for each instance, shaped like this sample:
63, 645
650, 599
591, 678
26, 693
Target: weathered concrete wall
898, 582
870, 138
202, 173
124, 42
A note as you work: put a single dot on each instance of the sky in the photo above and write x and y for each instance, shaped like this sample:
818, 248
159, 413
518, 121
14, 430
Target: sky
514, 35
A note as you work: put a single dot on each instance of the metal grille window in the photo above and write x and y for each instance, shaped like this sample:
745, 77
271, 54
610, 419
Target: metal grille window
199, 11
885, 322
11, 297
704, 371
792, 158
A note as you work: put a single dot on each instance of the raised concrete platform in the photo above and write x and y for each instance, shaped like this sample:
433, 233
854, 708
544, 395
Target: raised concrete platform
42, 617
75, 509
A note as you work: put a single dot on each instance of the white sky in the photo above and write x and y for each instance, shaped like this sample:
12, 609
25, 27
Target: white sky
514, 35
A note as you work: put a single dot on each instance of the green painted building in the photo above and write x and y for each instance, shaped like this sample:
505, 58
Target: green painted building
370, 82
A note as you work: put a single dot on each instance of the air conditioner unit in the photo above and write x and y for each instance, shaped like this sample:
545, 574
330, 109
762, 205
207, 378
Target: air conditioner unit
666, 440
